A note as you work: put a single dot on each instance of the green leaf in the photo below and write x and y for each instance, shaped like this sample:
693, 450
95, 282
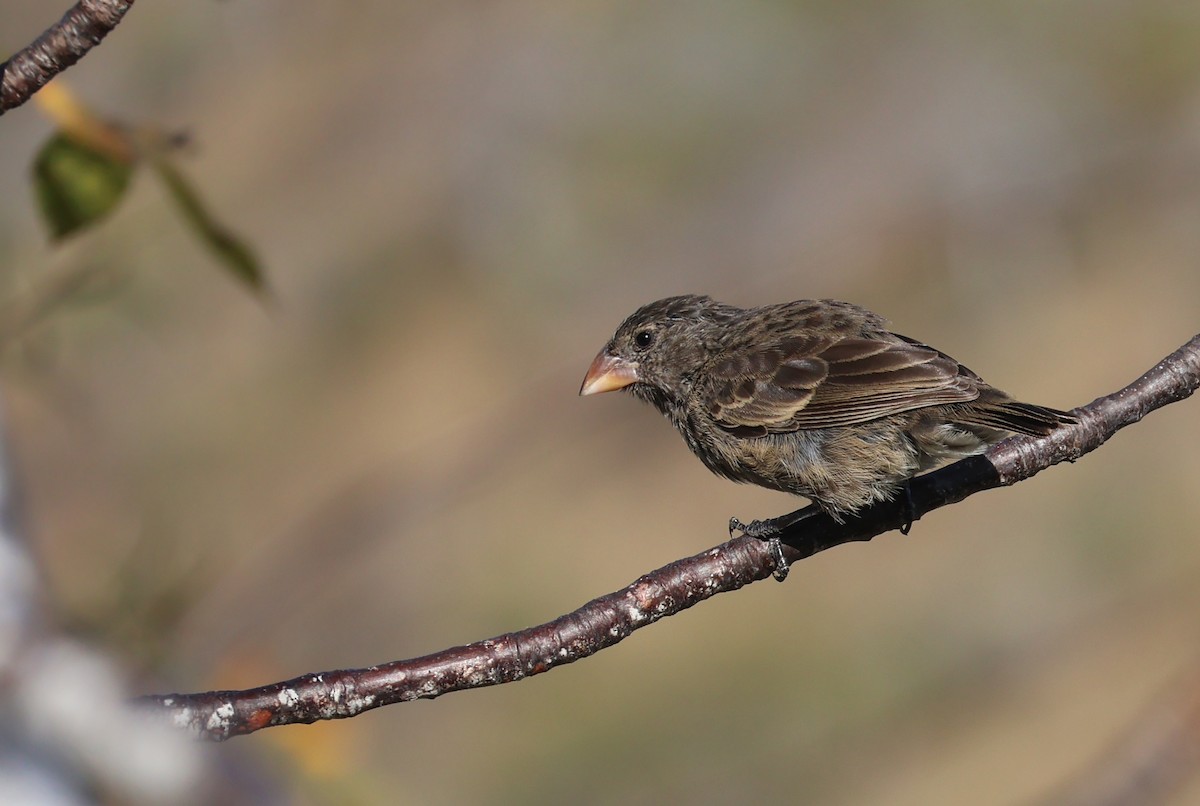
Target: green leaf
77, 185
229, 249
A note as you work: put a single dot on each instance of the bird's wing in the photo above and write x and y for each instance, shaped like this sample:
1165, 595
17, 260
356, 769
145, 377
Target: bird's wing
822, 381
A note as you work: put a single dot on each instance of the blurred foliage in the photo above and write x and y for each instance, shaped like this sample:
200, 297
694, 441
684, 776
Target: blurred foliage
83, 170
233, 253
76, 185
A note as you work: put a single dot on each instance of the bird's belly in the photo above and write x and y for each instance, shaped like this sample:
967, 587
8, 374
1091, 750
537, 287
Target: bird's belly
784, 462
841, 469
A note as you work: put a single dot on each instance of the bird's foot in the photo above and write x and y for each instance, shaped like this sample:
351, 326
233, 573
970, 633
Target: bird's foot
763, 530
782, 566
768, 531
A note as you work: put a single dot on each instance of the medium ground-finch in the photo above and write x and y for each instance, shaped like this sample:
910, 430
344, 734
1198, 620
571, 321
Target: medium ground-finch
814, 397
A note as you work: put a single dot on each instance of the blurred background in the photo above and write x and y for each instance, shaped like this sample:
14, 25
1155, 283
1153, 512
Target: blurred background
456, 204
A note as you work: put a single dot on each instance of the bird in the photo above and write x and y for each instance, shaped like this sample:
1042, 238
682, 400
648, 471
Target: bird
816, 398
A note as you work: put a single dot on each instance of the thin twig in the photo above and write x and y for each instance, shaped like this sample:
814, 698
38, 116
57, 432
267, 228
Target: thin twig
59, 47
605, 621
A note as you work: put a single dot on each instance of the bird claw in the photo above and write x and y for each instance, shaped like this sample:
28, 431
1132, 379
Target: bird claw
767, 532
763, 530
909, 510
782, 566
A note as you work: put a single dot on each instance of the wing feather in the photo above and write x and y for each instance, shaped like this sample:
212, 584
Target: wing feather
822, 382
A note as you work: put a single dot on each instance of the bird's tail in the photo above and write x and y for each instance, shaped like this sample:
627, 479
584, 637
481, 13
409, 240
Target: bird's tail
1012, 415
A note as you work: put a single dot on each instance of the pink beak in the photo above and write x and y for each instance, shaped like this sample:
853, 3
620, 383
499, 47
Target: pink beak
608, 373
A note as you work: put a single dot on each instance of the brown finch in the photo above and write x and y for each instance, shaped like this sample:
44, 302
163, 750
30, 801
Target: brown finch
813, 397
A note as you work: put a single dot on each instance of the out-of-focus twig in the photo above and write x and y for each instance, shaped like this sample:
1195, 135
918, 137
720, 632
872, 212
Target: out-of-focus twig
68, 726
605, 621
59, 47
1149, 763
71, 116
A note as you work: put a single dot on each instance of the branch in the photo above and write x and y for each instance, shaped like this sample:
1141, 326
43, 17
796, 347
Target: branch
605, 621
62, 44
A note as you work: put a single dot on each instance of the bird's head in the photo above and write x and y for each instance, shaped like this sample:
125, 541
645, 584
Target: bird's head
655, 350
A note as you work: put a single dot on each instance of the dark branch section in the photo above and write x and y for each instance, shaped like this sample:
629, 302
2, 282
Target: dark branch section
809, 530
63, 44
605, 621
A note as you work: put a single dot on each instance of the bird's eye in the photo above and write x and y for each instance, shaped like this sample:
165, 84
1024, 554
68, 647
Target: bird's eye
643, 339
